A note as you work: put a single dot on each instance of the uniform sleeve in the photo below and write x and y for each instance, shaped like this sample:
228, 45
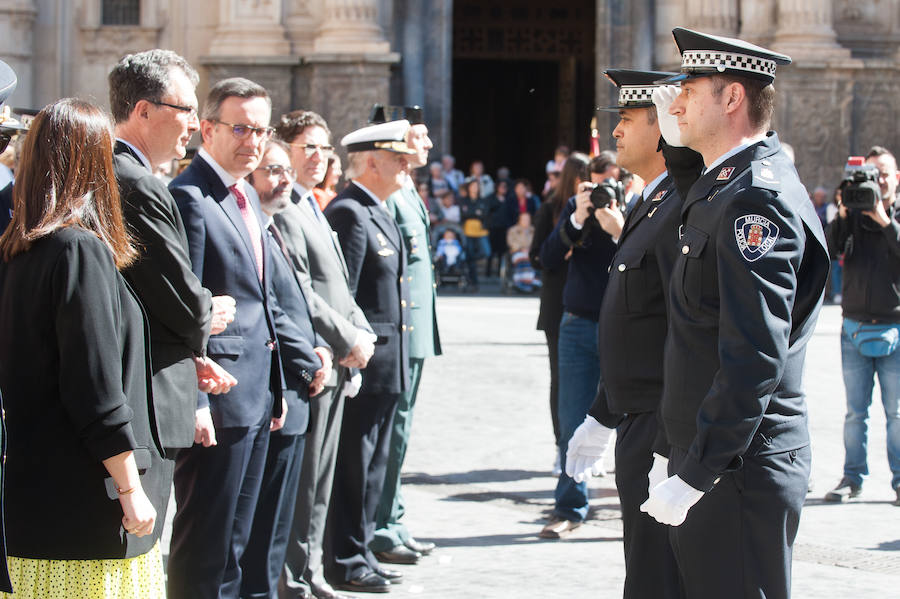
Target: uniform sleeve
352, 237
600, 411
90, 366
756, 296
170, 291
683, 164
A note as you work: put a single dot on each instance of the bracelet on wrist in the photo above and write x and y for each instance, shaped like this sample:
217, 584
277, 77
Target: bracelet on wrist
122, 491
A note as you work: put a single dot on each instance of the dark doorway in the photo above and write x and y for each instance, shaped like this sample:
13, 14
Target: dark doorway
523, 82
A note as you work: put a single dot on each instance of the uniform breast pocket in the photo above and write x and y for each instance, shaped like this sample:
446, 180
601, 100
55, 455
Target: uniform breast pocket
415, 245
693, 246
630, 267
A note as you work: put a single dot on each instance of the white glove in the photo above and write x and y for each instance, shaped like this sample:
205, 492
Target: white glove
663, 96
587, 449
670, 501
352, 385
659, 472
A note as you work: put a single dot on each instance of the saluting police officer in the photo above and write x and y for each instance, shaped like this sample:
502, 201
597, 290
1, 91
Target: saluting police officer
744, 296
632, 335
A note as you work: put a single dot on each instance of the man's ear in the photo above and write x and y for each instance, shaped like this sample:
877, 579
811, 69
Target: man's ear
142, 109
206, 128
735, 95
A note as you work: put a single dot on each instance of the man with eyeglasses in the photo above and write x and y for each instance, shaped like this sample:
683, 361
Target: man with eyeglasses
319, 263
217, 486
264, 557
144, 88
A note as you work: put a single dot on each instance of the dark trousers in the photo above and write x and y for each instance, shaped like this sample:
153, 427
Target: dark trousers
552, 335
650, 568
303, 563
358, 483
263, 559
737, 540
216, 490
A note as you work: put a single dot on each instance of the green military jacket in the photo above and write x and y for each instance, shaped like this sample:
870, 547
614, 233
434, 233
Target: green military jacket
408, 210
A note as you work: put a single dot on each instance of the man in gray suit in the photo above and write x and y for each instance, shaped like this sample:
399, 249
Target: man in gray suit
316, 256
393, 543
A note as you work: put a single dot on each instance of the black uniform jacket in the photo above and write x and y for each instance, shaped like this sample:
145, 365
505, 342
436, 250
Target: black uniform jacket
76, 389
178, 307
745, 293
632, 331
376, 263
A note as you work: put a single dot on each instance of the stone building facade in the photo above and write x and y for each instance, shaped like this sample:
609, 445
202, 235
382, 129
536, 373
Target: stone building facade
338, 57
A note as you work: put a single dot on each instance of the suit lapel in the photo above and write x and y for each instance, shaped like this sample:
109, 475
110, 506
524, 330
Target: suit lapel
648, 206
326, 236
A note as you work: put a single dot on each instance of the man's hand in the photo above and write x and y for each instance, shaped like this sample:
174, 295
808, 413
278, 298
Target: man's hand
583, 206
278, 423
322, 373
659, 472
204, 430
670, 501
212, 378
587, 448
361, 352
222, 313
611, 219
879, 215
663, 96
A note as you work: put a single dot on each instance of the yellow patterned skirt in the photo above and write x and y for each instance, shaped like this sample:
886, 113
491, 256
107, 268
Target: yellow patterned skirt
139, 577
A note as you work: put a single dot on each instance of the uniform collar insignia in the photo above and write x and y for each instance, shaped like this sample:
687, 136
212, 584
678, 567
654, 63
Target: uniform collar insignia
725, 173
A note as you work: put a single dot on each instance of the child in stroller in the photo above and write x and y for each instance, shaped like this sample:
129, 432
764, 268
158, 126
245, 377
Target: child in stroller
449, 258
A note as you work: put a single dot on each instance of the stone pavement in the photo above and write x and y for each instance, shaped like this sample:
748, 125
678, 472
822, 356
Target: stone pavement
477, 480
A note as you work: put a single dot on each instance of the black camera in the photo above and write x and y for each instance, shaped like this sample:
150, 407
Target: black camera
859, 188
607, 191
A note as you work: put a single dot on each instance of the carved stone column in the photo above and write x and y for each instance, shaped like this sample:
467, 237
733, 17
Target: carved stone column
718, 17
806, 32
669, 15
757, 20
250, 28
17, 45
350, 26
302, 18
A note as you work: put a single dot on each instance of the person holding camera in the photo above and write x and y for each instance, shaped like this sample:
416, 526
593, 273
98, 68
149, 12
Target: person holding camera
589, 248
867, 232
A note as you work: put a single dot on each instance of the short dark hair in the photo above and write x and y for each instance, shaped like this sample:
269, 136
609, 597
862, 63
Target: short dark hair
876, 151
143, 76
230, 88
603, 161
651, 116
296, 122
760, 97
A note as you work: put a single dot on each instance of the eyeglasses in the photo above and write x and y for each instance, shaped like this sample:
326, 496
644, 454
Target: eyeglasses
244, 131
310, 149
277, 170
192, 112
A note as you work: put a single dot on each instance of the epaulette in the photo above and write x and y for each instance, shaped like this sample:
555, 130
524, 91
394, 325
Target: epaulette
763, 175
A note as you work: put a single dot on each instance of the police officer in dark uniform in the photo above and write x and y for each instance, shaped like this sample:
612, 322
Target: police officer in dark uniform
745, 293
632, 335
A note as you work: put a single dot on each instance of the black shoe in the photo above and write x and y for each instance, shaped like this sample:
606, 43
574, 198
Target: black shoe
398, 554
368, 582
324, 591
392, 576
423, 548
897, 501
845, 490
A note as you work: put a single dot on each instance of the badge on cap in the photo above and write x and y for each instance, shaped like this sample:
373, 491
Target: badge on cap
755, 235
725, 173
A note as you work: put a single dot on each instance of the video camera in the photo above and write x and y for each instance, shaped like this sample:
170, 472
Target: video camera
606, 191
859, 188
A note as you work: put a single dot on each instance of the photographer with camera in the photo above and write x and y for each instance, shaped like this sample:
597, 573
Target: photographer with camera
588, 247
867, 231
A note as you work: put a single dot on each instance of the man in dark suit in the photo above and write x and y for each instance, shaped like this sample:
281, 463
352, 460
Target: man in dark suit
264, 558
155, 109
376, 263
216, 487
319, 263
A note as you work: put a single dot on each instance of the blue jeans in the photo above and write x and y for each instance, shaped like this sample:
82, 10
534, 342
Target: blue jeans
859, 378
579, 377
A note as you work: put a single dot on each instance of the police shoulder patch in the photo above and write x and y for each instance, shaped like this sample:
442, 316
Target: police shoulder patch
755, 235
764, 175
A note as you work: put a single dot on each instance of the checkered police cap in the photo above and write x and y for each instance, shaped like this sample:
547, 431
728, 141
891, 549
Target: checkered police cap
635, 87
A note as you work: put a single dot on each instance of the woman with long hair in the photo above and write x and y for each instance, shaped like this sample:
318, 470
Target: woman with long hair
575, 171
84, 474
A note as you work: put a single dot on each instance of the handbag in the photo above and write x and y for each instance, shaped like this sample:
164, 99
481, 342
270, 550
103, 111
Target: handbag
871, 339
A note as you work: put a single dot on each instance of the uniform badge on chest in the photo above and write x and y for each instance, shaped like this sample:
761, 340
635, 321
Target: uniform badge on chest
385, 251
755, 235
725, 173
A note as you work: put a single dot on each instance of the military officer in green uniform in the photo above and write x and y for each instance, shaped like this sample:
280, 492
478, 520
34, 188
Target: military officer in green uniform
393, 543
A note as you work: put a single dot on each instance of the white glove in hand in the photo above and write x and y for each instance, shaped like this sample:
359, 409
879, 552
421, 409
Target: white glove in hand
659, 472
670, 501
587, 448
352, 385
663, 96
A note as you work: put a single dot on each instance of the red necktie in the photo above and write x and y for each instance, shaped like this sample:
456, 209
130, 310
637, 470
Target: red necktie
252, 226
